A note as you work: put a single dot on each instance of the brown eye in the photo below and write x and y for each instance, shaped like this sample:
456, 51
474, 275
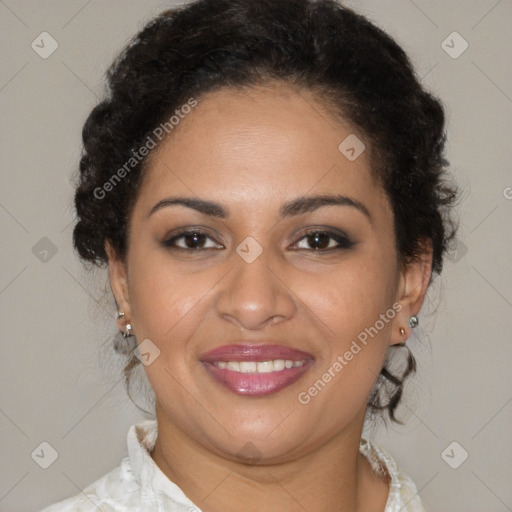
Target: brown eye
192, 240
323, 240
318, 240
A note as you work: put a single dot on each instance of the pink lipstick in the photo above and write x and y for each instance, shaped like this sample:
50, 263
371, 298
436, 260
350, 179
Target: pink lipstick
256, 370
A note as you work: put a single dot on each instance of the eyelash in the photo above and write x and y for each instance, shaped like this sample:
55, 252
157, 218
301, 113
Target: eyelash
340, 238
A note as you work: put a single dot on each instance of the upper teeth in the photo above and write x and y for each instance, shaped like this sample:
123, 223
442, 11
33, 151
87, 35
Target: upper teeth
258, 367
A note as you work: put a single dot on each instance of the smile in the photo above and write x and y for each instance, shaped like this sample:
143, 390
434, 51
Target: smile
276, 365
256, 370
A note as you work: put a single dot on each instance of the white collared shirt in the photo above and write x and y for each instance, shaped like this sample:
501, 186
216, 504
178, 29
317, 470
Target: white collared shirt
138, 484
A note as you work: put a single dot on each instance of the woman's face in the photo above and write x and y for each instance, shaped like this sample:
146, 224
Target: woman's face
230, 248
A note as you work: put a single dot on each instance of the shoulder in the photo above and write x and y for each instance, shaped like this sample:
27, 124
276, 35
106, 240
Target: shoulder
403, 495
115, 491
136, 485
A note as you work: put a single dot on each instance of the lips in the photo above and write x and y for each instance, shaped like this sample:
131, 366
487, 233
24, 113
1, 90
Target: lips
256, 370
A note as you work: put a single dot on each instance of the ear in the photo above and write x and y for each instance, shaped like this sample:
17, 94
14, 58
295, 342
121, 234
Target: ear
118, 277
412, 287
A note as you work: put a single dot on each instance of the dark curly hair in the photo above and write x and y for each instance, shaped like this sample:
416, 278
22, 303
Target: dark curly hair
355, 69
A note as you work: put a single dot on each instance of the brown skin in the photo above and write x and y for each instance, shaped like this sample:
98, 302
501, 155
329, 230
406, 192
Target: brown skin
252, 151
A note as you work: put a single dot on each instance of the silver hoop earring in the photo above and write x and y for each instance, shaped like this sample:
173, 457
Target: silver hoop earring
120, 314
413, 321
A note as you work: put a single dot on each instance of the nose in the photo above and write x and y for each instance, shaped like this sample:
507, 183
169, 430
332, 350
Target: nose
255, 295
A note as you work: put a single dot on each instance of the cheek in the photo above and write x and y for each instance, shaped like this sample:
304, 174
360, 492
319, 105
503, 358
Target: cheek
351, 298
353, 306
167, 306
357, 316
163, 298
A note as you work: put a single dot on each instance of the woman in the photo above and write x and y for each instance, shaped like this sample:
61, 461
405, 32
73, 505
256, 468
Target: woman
266, 184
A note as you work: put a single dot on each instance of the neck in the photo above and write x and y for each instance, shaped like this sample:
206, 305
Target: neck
335, 477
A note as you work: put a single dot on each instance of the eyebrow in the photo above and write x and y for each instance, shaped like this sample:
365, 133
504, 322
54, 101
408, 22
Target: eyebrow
295, 207
202, 206
310, 203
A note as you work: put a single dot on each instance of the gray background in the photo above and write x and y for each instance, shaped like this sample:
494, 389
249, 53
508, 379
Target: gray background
57, 382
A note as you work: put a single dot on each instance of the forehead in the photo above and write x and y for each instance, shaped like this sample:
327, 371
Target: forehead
257, 145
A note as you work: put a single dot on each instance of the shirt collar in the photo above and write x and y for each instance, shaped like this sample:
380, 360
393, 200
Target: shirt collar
141, 442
